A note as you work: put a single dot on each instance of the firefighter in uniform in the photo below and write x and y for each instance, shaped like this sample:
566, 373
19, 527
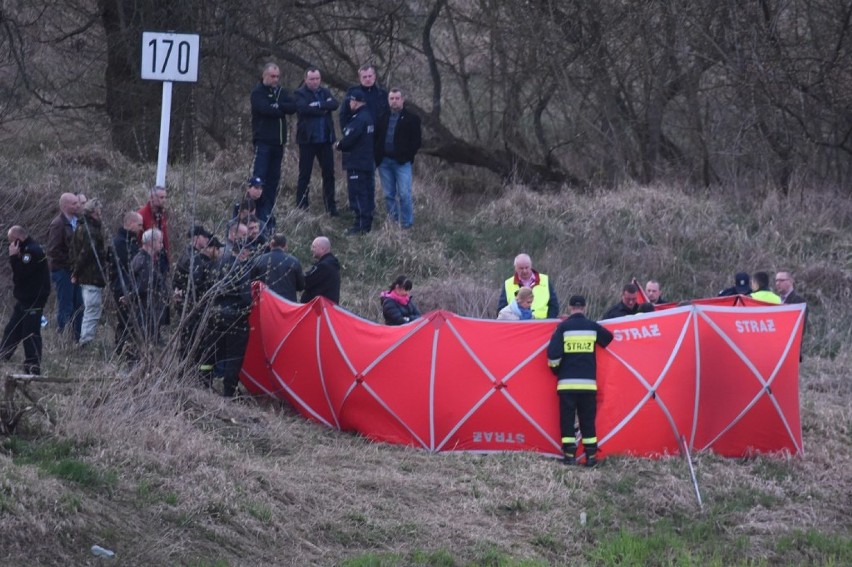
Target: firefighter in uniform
571, 357
233, 304
31, 279
195, 276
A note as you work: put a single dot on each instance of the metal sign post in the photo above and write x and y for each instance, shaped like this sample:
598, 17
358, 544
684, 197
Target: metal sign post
168, 57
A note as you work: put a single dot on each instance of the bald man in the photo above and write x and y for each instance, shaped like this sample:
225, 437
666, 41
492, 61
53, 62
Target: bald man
69, 296
323, 279
270, 105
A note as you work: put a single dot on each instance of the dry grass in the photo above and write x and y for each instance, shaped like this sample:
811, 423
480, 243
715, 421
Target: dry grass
164, 473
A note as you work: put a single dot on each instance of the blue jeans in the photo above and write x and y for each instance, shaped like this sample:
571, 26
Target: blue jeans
267, 166
362, 198
396, 184
324, 154
69, 302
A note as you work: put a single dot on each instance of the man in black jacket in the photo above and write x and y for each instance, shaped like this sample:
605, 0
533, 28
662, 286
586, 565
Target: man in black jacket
232, 306
31, 279
125, 245
270, 106
627, 305
148, 297
89, 267
279, 270
571, 357
324, 277
315, 135
398, 137
359, 163
375, 96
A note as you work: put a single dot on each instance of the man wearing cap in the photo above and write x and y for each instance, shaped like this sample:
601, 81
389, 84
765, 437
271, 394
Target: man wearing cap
358, 161
571, 357
270, 105
742, 285
248, 204
315, 135
279, 270
31, 288
545, 303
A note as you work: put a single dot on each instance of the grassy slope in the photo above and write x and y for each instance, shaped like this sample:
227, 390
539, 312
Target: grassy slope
165, 474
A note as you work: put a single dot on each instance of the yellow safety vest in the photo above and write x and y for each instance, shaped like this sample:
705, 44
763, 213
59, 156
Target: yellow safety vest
541, 295
767, 296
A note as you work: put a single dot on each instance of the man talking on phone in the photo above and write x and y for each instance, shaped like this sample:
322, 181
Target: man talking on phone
31, 280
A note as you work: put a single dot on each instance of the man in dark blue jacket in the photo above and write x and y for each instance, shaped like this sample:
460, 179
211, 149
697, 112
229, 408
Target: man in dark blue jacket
279, 270
315, 135
269, 107
375, 96
359, 163
31, 279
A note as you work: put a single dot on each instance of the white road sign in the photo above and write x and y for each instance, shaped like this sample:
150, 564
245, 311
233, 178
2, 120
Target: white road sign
170, 56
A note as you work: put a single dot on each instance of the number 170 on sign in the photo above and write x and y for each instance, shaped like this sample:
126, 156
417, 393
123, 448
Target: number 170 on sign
170, 56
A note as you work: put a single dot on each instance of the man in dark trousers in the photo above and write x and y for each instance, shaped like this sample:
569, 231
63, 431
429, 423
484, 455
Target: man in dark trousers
125, 246
323, 279
358, 161
149, 297
315, 135
196, 297
279, 270
31, 280
232, 306
398, 138
571, 357
270, 105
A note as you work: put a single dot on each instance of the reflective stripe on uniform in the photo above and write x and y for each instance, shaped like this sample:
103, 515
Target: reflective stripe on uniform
569, 440
589, 440
579, 341
576, 384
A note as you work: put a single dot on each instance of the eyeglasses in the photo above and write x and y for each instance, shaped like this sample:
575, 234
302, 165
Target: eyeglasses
782, 279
